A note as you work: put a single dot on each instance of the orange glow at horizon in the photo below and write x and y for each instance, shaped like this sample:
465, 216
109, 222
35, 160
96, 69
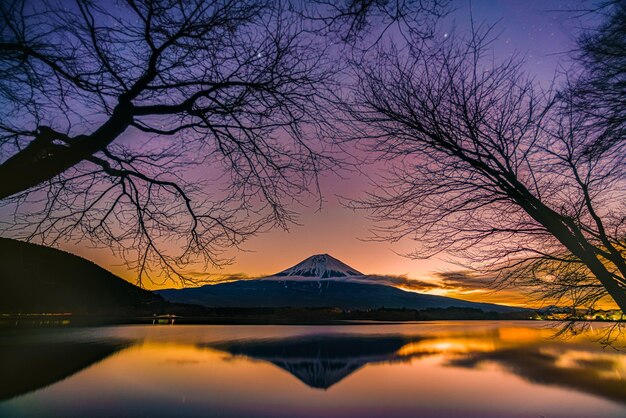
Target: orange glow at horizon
334, 230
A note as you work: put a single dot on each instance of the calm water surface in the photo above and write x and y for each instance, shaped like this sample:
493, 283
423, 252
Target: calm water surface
444, 369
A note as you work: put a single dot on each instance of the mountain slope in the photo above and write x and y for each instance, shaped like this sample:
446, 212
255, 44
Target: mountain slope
311, 293
35, 279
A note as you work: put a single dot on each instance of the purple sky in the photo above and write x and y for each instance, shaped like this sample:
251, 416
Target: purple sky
541, 31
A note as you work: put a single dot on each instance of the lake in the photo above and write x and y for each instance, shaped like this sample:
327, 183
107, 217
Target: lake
428, 369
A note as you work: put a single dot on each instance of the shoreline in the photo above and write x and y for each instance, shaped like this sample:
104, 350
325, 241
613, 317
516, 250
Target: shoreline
65, 320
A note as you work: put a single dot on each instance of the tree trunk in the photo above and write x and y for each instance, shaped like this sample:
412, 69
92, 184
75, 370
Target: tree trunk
42, 159
568, 234
604, 276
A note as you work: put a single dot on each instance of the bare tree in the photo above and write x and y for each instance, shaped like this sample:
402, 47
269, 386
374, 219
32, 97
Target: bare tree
487, 166
117, 118
597, 86
354, 20
149, 126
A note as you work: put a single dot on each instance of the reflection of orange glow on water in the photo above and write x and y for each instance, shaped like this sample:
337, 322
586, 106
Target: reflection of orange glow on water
457, 343
521, 334
449, 345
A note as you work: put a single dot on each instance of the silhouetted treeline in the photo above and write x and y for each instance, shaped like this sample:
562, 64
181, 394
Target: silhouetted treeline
194, 314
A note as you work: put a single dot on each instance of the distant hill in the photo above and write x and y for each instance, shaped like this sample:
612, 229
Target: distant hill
37, 279
318, 281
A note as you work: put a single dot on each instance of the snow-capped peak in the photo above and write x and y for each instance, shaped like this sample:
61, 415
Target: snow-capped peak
321, 266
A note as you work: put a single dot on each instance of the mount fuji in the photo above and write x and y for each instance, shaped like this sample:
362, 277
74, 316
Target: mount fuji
321, 266
319, 281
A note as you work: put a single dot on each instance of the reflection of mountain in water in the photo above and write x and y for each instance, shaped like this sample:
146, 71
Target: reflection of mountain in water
32, 361
320, 361
25, 367
323, 360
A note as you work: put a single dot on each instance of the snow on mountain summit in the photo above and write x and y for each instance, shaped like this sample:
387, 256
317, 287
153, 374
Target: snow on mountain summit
321, 266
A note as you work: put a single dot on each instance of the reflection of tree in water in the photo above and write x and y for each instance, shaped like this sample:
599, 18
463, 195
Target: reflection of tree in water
321, 361
595, 376
26, 367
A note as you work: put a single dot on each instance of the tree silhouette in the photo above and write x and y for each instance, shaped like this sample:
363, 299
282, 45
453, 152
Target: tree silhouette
148, 125
113, 114
485, 165
598, 87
